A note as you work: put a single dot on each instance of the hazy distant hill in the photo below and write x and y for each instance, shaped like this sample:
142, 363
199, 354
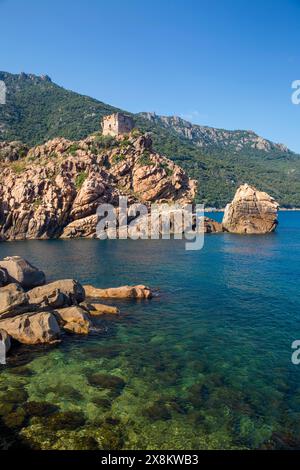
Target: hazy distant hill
37, 110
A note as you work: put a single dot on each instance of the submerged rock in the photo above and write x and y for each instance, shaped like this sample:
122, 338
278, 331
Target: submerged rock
65, 420
110, 382
22, 272
41, 409
157, 411
251, 211
124, 292
32, 328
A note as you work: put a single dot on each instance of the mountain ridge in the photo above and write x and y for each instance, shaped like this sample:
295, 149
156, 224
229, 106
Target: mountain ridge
208, 135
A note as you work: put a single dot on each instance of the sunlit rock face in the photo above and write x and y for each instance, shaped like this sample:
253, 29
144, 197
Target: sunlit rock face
54, 189
251, 211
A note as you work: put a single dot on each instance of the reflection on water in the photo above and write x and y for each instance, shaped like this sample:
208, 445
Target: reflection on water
205, 365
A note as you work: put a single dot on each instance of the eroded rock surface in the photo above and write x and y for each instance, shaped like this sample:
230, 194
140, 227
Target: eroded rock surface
55, 189
13, 300
32, 328
22, 272
124, 292
58, 294
74, 319
251, 212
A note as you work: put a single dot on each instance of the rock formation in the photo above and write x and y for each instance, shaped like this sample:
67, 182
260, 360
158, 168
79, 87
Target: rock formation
32, 328
40, 315
13, 301
55, 189
124, 292
20, 271
251, 211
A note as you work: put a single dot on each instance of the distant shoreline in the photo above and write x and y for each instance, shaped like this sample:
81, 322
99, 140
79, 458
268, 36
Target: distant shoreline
282, 209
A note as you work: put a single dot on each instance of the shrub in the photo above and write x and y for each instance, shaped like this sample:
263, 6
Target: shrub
118, 158
125, 143
73, 149
105, 141
80, 179
145, 159
167, 169
136, 132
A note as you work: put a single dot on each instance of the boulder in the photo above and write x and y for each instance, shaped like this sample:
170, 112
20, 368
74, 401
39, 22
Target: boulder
124, 292
53, 299
3, 277
251, 212
21, 271
32, 328
212, 226
5, 340
73, 319
58, 294
13, 300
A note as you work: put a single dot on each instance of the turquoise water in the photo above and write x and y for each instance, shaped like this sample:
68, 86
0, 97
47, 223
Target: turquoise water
206, 365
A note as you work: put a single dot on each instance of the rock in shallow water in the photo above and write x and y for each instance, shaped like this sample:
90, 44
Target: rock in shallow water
73, 319
32, 328
96, 310
124, 292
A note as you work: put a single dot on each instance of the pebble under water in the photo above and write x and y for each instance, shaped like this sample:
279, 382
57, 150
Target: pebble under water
206, 365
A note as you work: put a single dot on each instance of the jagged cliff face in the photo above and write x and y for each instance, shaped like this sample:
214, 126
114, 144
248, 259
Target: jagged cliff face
204, 136
55, 189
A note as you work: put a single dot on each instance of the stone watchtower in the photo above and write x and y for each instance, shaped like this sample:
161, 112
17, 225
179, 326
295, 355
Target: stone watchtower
117, 124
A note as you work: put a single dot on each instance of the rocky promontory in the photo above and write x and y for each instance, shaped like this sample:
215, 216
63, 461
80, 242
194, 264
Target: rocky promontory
35, 312
53, 190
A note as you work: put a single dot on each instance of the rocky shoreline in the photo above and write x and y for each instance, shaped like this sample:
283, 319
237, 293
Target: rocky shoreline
54, 190
34, 312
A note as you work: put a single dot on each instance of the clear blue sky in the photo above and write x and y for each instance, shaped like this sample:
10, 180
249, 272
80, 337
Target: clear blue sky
223, 63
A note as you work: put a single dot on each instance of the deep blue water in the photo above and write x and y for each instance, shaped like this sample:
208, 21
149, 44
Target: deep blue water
207, 364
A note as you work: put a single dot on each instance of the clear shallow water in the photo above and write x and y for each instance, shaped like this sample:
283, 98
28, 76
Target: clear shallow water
207, 365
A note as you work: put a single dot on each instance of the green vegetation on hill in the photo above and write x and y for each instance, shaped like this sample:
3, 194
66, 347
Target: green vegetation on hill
38, 110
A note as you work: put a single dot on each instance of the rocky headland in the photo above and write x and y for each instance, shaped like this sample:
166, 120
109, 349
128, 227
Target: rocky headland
54, 190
